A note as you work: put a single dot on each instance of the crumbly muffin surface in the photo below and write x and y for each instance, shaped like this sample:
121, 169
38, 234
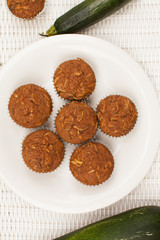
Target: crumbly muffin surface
30, 106
42, 151
74, 80
76, 122
25, 8
91, 163
117, 115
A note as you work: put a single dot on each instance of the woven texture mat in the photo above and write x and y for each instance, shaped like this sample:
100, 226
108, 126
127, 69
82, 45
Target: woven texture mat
136, 29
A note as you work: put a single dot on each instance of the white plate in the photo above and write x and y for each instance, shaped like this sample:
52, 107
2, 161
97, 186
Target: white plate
116, 73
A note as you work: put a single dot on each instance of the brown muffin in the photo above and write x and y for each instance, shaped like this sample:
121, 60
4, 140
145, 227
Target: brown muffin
25, 8
117, 115
74, 80
91, 163
30, 106
76, 122
42, 151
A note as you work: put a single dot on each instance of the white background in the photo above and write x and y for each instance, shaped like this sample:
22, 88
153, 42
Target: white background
136, 29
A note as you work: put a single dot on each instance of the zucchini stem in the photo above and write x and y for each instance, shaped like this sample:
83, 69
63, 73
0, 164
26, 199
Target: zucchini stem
43, 35
52, 31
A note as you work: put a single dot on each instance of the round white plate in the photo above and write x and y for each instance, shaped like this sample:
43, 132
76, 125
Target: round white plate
116, 73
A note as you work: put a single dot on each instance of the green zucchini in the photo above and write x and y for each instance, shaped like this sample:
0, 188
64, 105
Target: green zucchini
141, 223
84, 14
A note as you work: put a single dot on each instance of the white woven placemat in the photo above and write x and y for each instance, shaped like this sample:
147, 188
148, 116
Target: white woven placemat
136, 29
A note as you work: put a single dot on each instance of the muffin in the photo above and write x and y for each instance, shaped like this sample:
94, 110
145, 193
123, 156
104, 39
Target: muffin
76, 122
25, 8
117, 115
91, 163
30, 106
42, 151
74, 80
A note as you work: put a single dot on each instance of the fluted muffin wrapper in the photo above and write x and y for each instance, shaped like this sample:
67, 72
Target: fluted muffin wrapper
97, 185
47, 124
7, 109
21, 150
123, 95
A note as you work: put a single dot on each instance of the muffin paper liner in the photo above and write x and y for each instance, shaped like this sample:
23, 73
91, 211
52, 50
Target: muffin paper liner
137, 120
26, 19
55, 91
21, 149
85, 185
7, 109
50, 118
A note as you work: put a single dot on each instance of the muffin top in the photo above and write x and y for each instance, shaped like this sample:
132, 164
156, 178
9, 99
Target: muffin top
76, 122
74, 80
91, 163
117, 115
25, 8
30, 106
42, 151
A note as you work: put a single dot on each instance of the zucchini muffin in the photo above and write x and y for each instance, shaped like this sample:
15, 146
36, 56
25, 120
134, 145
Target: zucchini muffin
117, 115
42, 151
25, 8
91, 163
74, 80
30, 106
76, 122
